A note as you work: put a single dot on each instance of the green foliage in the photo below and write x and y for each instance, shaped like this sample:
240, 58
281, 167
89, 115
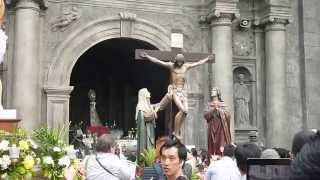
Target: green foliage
51, 146
194, 175
149, 156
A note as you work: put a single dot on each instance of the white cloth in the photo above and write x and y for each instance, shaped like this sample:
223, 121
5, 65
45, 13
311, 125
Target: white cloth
223, 169
120, 168
3, 44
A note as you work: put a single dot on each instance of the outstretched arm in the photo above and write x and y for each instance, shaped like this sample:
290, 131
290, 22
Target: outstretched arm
191, 65
155, 60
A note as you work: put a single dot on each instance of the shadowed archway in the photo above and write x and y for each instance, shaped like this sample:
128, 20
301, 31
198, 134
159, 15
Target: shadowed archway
110, 69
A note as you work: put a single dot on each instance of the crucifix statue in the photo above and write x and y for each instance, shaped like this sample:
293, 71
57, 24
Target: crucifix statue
177, 91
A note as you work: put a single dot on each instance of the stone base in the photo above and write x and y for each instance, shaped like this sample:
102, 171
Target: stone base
8, 114
242, 134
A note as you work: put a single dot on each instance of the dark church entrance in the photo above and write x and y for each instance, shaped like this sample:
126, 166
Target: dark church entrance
110, 70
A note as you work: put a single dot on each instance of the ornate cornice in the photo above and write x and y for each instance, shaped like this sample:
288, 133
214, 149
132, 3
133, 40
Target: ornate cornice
223, 20
13, 3
222, 12
273, 14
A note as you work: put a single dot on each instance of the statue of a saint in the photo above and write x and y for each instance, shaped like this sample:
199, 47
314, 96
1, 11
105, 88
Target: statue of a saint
145, 117
242, 98
94, 117
177, 89
218, 121
3, 44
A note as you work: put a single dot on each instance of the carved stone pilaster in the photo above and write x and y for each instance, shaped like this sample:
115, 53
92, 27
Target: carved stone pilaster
58, 106
127, 23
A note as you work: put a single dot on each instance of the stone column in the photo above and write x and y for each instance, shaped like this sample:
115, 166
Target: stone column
260, 74
26, 86
58, 106
276, 95
222, 48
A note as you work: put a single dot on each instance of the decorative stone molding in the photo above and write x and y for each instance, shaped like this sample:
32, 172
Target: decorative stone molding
127, 21
126, 16
58, 106
221, 20
278, 13
276, 25
223, 9
70, 14
13, 3
243, 43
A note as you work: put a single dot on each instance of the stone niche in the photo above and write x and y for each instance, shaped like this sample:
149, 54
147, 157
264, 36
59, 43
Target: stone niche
244, 100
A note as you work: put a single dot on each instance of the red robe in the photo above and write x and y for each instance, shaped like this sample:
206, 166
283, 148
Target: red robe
218, 130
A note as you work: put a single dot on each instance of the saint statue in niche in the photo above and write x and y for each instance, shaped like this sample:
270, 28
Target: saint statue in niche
242, 98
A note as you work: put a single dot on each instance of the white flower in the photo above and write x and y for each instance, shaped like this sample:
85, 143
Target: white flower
5, 162
64, 161
56, 149
4, 145
33, 144
48, 160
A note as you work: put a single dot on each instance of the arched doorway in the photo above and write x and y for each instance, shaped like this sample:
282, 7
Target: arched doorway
109, 68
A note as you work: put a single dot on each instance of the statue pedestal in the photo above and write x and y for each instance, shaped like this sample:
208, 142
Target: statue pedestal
8, 120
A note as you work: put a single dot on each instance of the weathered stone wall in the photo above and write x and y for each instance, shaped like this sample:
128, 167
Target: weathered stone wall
311, 62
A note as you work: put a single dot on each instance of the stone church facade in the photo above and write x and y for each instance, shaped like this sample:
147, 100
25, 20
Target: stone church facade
274, 44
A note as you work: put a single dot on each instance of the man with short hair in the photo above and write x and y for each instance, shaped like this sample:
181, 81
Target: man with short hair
225, 168
242, 153
173, 155
105, 165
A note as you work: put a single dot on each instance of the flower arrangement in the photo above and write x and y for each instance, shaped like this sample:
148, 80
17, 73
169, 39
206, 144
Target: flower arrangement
17, 155
55, 156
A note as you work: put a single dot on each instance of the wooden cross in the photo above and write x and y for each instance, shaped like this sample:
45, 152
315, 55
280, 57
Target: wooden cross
170, 56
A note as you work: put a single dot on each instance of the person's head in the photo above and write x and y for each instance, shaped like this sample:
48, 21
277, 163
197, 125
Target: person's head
144, 95
241, 78
283, 153
245, 151
300, 139
173, 155
270, 154
179, 60
105, 144
306, 165
228, 150
194, 152
160, 141
215, 104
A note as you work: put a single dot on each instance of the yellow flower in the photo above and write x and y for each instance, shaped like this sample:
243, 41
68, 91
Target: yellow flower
28, 162
23, 145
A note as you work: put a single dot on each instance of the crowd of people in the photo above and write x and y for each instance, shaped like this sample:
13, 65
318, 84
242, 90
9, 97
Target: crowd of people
175, 162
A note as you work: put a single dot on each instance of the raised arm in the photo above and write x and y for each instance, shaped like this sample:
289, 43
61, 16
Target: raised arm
155, 60
191, 65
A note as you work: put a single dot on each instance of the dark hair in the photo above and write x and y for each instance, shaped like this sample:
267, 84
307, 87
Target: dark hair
229, 150
300, 139
306, 165
182, 150
245, 151
104, 143
194, 152
283, 153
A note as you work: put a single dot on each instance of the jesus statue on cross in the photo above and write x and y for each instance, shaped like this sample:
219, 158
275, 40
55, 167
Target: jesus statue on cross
177, 89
